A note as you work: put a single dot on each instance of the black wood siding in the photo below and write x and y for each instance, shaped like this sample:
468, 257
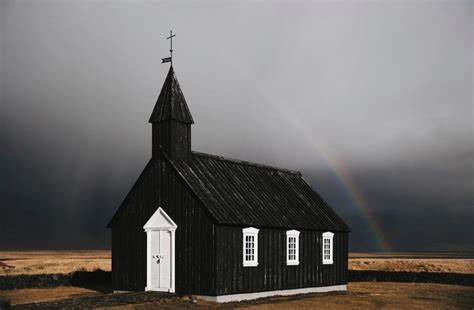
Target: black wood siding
272, 273
173, 138
209, 256
162, 186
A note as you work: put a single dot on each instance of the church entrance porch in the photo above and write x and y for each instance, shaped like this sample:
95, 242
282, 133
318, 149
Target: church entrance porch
160, 230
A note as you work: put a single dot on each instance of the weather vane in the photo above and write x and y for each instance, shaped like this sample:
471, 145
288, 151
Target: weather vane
169, 59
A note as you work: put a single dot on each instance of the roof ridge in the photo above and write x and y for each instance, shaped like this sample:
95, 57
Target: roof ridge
249, 163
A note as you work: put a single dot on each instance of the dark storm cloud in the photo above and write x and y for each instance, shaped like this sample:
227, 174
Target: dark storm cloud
387, 87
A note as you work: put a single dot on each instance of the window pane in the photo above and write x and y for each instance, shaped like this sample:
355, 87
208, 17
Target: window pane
291, 248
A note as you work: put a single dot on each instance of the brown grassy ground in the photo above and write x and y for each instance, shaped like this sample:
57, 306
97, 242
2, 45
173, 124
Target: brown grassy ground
413, 262
362, 295
33, 295
410, 255
386, 295
48, 262
449, 265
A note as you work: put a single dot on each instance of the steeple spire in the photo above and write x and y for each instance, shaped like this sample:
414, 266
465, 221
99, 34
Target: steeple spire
171, 120
171, 103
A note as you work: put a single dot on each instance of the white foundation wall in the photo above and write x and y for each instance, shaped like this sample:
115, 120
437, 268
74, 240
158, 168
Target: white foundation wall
249, 296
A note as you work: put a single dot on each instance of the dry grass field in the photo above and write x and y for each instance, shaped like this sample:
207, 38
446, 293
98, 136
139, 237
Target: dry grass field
369, 295
34, 295
362, 295
413, 262
452, 265
387, 295
52, 262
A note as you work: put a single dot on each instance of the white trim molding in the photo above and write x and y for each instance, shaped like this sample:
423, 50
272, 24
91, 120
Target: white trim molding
159, 224
292, 248
250, 247
328, 248
160, 220
249, 296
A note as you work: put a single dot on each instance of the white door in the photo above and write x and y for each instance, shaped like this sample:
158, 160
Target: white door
160, 233
160, 251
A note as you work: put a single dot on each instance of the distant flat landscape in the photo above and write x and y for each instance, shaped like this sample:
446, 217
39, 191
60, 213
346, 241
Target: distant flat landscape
360, 294
413, 262
423, 255
63, 262
53, 262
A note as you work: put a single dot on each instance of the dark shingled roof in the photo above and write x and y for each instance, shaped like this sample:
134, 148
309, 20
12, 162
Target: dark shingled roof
248, 194
171, 103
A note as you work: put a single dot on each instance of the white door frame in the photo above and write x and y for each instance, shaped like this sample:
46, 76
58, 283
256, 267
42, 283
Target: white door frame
159, 223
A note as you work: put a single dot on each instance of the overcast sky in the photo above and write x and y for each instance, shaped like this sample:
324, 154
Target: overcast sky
380, 92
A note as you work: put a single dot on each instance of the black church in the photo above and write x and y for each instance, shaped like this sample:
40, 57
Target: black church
218, 228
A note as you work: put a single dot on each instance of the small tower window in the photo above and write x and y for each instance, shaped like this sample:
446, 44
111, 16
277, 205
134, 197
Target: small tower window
292, 247
250, 247
328, 246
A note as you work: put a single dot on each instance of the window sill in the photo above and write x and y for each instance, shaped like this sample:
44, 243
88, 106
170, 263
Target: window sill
250, 264
292, 263
328, 262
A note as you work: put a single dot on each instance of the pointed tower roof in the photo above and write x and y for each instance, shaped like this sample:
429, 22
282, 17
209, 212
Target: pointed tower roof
171, 103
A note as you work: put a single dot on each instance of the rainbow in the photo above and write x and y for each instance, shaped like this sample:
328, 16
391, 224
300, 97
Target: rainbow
345, 178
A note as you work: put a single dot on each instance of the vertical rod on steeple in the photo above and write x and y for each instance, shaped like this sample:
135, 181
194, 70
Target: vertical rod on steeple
171, 48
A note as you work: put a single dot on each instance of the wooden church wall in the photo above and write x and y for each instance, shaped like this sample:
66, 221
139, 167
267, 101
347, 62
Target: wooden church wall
162, 186
272, 273
172, 137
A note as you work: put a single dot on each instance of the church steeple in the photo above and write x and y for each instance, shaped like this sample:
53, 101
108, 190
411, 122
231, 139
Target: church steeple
171, 103
171, 121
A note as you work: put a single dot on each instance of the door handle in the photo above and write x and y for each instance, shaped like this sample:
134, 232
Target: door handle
158, 257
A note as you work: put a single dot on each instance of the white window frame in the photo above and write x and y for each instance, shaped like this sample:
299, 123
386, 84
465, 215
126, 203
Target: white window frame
328, 236
251, 232
293, 234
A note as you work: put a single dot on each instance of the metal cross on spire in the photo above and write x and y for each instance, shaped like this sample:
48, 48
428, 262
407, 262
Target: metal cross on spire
169, 59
